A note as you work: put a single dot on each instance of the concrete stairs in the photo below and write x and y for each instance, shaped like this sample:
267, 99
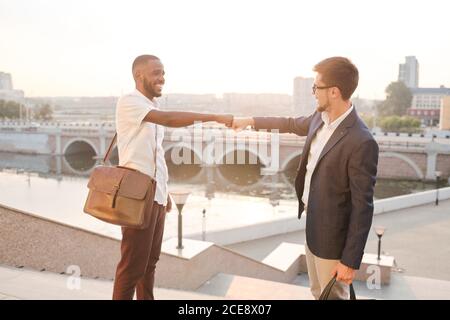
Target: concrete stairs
244, 288
26, 284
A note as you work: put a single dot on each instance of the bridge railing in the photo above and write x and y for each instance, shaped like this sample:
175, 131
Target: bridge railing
389, 144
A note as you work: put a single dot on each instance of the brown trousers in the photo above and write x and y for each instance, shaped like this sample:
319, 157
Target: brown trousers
140, 251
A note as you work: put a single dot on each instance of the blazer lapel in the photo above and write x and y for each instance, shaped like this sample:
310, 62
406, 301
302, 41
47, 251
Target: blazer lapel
340, 132
309, 139
312, 134
315, 126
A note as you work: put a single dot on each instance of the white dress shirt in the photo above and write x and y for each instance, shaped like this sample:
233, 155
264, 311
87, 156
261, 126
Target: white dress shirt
317, 145
136, 140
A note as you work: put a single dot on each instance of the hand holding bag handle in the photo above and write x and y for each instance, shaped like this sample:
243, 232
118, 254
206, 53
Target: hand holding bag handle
326, 292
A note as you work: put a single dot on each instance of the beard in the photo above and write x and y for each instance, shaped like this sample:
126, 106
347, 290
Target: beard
149, 90
323, 107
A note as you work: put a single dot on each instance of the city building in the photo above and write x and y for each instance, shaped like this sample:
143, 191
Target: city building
7, 91
426, 104
5, 81
257, 104
408, 72
303, 99
191, 102
444, 123
79, 108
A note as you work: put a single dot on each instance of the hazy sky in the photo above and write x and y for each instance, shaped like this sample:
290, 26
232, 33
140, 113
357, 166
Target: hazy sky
86, 47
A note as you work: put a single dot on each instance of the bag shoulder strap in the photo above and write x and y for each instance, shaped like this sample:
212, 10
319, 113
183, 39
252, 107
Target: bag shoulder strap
106, 157
114, 139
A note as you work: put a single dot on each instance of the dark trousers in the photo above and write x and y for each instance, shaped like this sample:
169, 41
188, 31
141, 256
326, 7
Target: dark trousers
140, 250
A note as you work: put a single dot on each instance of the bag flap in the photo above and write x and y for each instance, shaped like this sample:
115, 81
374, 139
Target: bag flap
136, 184
131, 184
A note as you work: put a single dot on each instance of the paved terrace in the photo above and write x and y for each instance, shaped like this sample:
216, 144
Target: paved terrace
417, 237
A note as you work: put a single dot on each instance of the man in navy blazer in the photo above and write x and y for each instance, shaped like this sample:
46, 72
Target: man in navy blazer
336, 176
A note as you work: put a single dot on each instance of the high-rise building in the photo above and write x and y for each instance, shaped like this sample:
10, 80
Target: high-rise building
5, 81
303, 99
408, 72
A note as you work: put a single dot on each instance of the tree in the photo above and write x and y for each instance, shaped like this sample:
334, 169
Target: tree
10, 109
43, 112
398, 100
400, 124
368, 120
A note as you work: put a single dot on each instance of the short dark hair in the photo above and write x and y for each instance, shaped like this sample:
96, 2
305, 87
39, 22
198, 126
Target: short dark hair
142, 60
339, 72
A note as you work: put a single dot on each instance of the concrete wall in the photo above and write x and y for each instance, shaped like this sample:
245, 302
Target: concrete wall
38, 243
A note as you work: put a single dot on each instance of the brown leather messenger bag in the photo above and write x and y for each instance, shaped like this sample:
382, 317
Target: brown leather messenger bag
121, 195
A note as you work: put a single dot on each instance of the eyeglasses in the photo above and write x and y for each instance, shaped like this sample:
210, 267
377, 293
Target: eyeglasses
315, 87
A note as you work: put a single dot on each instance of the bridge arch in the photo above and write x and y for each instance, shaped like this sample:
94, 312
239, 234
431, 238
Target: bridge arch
265, 161
406, 159
78, 145
79, 156
287, 161
188, 146
194, 172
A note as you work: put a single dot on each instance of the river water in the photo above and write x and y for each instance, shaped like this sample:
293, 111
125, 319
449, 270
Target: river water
222, 197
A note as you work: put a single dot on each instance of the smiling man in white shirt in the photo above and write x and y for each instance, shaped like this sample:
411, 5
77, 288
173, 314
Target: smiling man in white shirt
140, 133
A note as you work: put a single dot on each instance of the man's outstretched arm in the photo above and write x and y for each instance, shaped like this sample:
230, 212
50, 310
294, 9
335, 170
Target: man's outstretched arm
299, 126
176, 119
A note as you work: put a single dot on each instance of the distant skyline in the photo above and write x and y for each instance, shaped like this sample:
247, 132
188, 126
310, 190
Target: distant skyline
85, 47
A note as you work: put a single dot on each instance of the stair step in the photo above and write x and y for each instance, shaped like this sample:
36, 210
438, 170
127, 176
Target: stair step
284, 255
29, 284
244, 288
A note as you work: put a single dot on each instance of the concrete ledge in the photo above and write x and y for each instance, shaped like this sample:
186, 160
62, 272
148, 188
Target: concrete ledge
292, 224
252, 232
176, 271
410, 200
191, 248
285, 255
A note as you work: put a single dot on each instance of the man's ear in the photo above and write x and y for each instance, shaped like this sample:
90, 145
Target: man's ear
336, 92
137, 74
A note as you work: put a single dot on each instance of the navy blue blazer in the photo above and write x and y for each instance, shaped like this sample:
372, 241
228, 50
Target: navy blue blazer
340, 203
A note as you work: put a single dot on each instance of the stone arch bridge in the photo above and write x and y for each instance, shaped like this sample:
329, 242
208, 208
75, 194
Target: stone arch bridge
403, 157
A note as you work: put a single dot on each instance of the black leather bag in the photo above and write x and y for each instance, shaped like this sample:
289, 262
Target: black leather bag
326, 292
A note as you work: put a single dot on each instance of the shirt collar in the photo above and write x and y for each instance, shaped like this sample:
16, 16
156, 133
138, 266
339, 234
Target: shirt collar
337, 122
153, 102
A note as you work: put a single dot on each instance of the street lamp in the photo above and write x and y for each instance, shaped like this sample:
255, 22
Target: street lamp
379, 230
438, 176
204, 225
180, 197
